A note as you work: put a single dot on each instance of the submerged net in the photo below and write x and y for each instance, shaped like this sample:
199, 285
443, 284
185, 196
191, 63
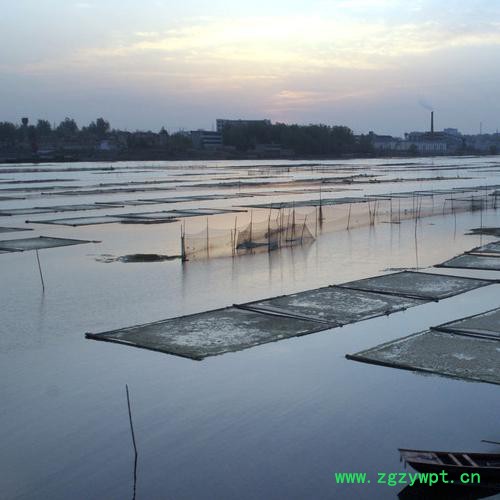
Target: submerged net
286, 228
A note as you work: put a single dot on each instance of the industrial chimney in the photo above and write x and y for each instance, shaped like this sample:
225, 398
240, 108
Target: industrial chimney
432, 122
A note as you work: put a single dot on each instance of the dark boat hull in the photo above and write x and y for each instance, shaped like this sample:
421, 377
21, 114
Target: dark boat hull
459, 466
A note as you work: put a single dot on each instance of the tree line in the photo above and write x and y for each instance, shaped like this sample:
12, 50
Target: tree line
303, 139
67, 129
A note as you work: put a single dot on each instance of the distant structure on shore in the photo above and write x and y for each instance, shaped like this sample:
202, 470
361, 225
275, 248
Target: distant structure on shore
232, 139
222, 123
447, 141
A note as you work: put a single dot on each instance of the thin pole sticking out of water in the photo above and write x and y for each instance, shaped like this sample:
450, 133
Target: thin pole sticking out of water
40, 270
416, 244
133, 438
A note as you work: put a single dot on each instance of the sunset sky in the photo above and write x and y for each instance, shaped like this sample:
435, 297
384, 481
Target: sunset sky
371, 65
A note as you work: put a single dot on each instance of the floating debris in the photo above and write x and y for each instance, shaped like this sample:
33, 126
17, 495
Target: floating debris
136, 257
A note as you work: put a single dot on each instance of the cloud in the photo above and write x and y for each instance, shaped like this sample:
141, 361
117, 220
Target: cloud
289, 63
307, 43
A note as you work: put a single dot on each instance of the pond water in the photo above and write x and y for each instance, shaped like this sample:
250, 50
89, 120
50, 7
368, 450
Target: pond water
275, 421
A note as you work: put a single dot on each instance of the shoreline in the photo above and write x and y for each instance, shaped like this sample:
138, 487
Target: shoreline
222, 157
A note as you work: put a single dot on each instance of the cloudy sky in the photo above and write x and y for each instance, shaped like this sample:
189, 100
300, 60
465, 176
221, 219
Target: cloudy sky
368, 64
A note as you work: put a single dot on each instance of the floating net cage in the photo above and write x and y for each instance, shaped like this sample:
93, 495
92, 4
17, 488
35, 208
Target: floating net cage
279, 225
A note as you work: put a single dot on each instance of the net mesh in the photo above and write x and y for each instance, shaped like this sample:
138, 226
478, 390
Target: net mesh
287, 227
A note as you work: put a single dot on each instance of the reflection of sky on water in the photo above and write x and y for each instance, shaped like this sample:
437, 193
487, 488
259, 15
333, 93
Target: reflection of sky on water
274, 421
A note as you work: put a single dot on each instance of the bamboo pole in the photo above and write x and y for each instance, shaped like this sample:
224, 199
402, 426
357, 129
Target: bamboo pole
251, 228
40, 270
133, 439
303, 228
183, 242
235, 231
269, 232
208, 242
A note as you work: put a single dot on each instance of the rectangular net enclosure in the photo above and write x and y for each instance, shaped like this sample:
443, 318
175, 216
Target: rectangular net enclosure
298, 222
427, 286
79, 221
471, 261
486, 324
39, 243
490, 248
14, 229
490, 231
210, 333
441, 353
334, 305
56, 208
351, 212
160, 215
246, 325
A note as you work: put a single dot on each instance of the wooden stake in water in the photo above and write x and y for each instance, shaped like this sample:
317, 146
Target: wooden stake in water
183, 242
40, 270
208, 242
133, 438
235, 232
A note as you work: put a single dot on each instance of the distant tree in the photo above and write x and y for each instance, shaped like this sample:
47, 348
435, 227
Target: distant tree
67, 128
43, 128
99, 128
179, 142
365, 144
32, 137
25, 121
8, 132
303, 139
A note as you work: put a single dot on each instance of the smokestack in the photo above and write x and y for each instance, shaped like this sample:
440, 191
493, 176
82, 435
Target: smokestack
432, 122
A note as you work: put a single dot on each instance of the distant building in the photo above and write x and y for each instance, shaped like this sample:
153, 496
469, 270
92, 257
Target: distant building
385, 142
222, 123
205, 139
426, 142
483, 143
418, 142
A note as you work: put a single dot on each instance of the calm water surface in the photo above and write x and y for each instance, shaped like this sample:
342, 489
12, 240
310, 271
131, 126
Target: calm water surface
275, 421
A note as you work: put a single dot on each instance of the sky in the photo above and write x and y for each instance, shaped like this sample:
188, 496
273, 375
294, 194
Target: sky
369, 64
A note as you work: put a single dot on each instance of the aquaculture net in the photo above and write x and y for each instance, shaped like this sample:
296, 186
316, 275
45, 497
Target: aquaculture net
282, 228
285, 226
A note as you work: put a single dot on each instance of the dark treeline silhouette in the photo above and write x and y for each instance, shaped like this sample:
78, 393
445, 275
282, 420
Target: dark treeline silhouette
302, 139
98, 134
67, 141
